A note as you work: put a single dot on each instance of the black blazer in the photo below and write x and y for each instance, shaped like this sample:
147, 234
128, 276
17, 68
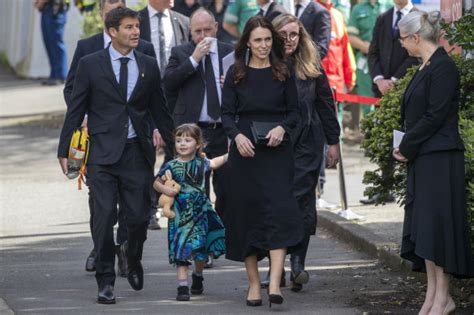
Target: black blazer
183, 80
317, 22
97, 92
274, 10
91, 45
386, 55
429, 110
180, 26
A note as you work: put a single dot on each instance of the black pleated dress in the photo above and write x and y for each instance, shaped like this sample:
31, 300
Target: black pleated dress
261, 211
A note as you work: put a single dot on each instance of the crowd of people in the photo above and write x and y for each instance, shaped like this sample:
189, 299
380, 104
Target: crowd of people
265, 129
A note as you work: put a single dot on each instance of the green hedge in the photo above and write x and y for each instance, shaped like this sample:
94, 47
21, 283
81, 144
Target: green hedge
378, 126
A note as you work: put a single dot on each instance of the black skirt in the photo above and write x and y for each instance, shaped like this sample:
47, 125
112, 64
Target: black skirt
261, 211
435, 227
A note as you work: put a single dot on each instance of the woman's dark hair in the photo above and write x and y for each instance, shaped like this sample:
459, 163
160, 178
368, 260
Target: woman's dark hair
279, 67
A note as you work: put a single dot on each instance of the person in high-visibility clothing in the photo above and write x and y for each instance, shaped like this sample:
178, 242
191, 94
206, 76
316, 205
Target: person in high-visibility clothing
339, 63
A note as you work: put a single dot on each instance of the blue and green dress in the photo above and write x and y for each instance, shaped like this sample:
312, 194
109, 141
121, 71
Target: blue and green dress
196, 231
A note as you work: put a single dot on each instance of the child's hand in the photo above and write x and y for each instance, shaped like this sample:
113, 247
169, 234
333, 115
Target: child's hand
170, 192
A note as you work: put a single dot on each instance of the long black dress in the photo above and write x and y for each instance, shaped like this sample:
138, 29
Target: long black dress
261, 211
435, 225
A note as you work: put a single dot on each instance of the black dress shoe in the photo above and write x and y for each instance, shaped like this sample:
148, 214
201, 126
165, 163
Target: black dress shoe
298, 275
121, 251
183, 293
196, 287
296, 287
135, 275
254, 303
106, 295
90, 262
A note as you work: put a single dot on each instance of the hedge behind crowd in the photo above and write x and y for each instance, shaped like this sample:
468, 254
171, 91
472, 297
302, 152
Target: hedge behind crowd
378, 125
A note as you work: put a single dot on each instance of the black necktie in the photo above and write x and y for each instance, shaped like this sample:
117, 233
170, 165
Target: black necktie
123, 80
260, 12
297, 9
213, 108
161, 39
395, 26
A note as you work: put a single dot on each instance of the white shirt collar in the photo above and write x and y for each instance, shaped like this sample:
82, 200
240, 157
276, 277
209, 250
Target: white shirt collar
406, 9
116, 55
107, 39
152, 12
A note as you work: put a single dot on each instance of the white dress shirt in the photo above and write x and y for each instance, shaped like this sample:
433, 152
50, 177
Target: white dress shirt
170, 40
132, 68
204, 117
304, 4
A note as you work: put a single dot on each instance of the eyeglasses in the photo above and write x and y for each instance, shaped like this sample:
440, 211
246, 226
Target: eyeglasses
289, 36
403, 38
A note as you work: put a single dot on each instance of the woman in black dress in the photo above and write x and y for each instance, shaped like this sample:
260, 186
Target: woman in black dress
435, 231
262, 215
319, 124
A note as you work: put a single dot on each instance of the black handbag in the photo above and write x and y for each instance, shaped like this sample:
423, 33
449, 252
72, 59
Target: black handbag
260, 130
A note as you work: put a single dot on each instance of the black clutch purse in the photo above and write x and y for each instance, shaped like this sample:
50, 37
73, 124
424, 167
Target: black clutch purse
260, 130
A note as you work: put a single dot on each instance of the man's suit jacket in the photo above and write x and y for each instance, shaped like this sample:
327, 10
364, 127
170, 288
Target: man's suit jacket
386, 55
317, 22
188, 83
180, 26
429, 111
274, 10
91, 45
97, 92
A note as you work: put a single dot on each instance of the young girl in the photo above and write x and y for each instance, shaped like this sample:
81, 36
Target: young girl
196, 231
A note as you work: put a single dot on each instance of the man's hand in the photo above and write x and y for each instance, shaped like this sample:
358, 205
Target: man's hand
63, 164
158, 140
202, 49
384, 85
244, 145
84, 122
333, 155
275, 136
399, 156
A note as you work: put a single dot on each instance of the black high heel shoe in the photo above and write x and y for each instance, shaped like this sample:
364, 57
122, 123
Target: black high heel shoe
253, 303
275, 299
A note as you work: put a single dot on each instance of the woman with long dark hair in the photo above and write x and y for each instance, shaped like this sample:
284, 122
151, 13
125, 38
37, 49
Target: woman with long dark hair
262, 216
319, 125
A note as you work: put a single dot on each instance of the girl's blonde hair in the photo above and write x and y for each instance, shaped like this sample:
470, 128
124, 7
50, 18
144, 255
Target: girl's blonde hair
193, 131
306, 56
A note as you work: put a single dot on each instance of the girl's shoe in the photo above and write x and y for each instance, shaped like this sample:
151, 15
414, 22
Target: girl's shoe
275, 299
196, 287
257, 302
183, 293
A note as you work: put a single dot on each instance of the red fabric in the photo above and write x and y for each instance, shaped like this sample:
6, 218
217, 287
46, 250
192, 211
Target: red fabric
357, 99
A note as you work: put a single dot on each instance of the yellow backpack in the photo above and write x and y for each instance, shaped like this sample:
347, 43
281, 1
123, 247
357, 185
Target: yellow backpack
78, 153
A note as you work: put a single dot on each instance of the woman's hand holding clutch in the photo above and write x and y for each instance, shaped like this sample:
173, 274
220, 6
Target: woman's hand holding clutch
275, 136
244, 145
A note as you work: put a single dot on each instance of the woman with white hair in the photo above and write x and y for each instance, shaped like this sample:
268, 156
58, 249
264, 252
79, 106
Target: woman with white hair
435, 229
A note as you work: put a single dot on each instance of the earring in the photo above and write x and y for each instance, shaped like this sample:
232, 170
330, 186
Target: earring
247, 56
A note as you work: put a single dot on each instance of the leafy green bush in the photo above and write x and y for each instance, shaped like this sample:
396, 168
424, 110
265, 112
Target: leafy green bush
378, 126
92, 23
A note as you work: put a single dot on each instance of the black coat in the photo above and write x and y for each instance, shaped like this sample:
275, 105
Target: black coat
180, 26
429, 109
91, 45
183, 80
386, 55
317, 22
97, 93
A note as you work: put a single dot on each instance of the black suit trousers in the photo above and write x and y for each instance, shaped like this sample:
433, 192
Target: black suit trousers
216, 145
129, 179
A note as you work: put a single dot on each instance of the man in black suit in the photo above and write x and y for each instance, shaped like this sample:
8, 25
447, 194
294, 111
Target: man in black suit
270, 9
174, 30
85, 47
120, 90
317, 22
193, 73
388, 60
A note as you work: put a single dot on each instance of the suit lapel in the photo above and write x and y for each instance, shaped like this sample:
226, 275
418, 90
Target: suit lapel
106, 66
307, 12
413, 83
176, 28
